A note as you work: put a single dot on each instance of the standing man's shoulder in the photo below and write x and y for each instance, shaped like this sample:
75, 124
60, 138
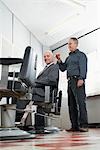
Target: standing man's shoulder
82, 54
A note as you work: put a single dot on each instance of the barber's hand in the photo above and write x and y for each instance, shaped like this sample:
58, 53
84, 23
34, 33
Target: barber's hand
58, 56
80, 83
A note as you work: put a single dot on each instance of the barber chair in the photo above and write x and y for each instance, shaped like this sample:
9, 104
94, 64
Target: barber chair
50, 105
20, 89
46, 110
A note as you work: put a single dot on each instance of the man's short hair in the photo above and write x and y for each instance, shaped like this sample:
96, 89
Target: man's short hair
48, 51
74, 39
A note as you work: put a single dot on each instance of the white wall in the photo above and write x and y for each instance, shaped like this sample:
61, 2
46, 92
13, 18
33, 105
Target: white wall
21, 37
39, 49
6, 20
6, 30
93, 75
14, 37
0, 21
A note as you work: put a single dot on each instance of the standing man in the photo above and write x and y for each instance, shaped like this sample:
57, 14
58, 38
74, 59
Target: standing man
76, 66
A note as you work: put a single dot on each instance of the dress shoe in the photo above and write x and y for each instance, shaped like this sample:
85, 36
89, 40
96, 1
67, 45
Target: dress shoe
83, 129
72, 130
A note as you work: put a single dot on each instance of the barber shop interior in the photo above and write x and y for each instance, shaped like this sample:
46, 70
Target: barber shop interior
49, 74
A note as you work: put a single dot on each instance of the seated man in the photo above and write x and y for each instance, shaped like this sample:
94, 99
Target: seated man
49, 76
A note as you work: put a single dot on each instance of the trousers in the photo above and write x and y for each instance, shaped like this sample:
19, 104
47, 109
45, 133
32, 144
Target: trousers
77, 104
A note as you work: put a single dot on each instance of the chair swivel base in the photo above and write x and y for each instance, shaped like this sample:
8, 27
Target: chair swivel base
52, 129
45, 130
14, 134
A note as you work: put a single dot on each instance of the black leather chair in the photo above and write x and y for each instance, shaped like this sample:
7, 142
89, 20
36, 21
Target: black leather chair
27, 74
23, 82
18, 89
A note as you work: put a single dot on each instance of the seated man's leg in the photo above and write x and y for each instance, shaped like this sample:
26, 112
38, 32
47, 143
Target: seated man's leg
38, 99
38, 94
39, 120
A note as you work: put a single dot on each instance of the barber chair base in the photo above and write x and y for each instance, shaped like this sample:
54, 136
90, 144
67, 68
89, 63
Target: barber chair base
14, 134
39, 132
32, 130
52, 129
45, 130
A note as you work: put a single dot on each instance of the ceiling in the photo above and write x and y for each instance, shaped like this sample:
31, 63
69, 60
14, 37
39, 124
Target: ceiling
53, 20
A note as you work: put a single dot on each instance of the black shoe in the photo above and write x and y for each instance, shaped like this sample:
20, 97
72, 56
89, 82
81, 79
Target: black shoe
72, 130
83, 129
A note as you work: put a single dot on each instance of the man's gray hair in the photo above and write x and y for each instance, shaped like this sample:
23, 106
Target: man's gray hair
49, 51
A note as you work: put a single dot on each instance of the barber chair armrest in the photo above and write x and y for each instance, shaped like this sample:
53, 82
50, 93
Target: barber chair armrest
47, 94
15, 84
58, 103
54, 106
49, 97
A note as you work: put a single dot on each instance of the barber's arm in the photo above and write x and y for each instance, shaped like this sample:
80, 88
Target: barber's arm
83, 69
62, 66
51, 78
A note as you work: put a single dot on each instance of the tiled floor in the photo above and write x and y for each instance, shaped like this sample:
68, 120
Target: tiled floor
59, 141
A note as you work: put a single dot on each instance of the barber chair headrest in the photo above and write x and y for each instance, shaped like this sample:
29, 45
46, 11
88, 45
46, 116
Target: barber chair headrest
28, 69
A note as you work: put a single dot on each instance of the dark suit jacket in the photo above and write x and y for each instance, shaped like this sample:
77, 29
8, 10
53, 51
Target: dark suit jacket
49, 77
